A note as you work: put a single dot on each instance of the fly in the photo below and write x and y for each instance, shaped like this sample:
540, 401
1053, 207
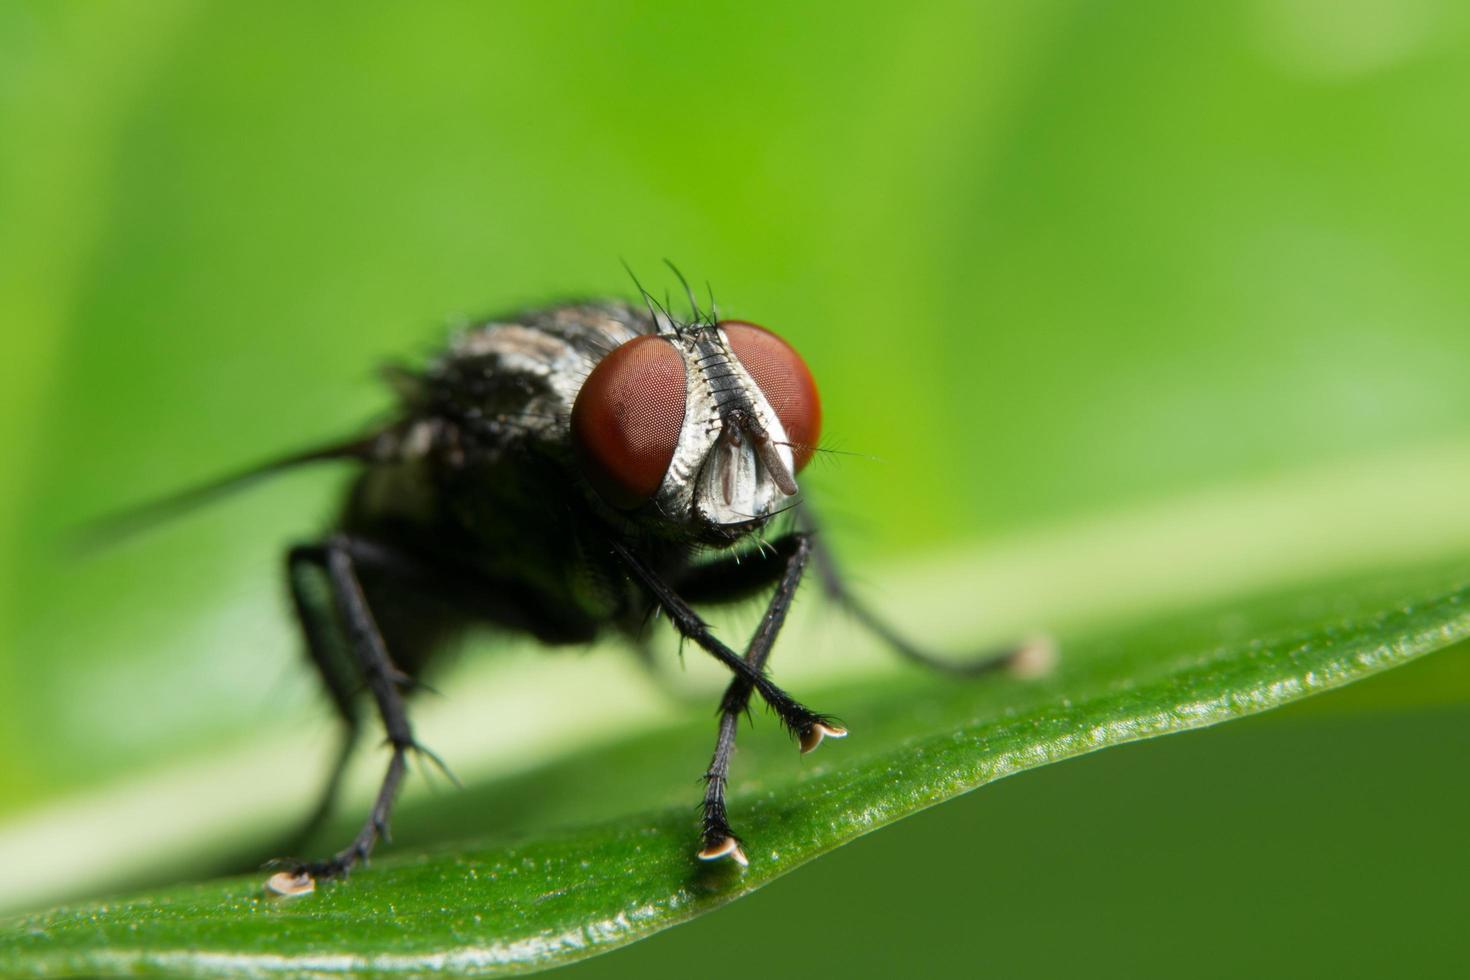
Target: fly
565, 473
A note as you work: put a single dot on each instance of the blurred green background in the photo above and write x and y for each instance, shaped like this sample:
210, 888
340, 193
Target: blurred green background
1048, 260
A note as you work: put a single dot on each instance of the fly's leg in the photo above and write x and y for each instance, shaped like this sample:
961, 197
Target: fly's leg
384, 681
1031, 658
792, 551
318, 629
808, 726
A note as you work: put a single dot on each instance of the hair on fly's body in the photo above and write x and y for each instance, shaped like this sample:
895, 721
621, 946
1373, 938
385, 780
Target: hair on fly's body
568, 472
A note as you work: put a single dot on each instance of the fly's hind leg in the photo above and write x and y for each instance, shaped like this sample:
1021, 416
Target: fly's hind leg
319, 630
383, 680
1031, 658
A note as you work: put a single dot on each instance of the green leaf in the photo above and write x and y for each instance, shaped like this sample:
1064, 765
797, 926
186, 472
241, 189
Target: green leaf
552, 897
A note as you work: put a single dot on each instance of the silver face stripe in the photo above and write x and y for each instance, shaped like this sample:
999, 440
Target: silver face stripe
712, 478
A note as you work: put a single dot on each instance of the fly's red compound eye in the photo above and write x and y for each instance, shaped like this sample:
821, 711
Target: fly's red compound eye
784, 379
626, 420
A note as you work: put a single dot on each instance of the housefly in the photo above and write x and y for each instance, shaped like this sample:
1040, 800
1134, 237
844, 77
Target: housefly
567, 473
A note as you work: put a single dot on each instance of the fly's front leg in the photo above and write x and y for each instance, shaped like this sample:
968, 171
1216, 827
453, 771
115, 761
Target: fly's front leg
788, 557
1031, 658
808, 726
383, 680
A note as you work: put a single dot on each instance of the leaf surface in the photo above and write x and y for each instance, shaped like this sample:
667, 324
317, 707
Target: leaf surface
573, 890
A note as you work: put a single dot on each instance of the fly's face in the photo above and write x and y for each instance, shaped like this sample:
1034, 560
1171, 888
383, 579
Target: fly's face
702, 428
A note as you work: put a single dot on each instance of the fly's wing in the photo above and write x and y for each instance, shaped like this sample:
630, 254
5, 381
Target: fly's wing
111, 529
501, 384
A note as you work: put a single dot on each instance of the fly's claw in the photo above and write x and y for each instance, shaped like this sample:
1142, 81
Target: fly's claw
813, 734
290, 884
728, 846
1037, 657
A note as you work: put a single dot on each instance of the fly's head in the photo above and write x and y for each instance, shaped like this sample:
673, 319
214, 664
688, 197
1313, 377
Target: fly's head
698, 429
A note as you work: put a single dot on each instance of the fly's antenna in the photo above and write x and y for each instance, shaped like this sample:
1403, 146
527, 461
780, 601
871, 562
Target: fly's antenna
662, 319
